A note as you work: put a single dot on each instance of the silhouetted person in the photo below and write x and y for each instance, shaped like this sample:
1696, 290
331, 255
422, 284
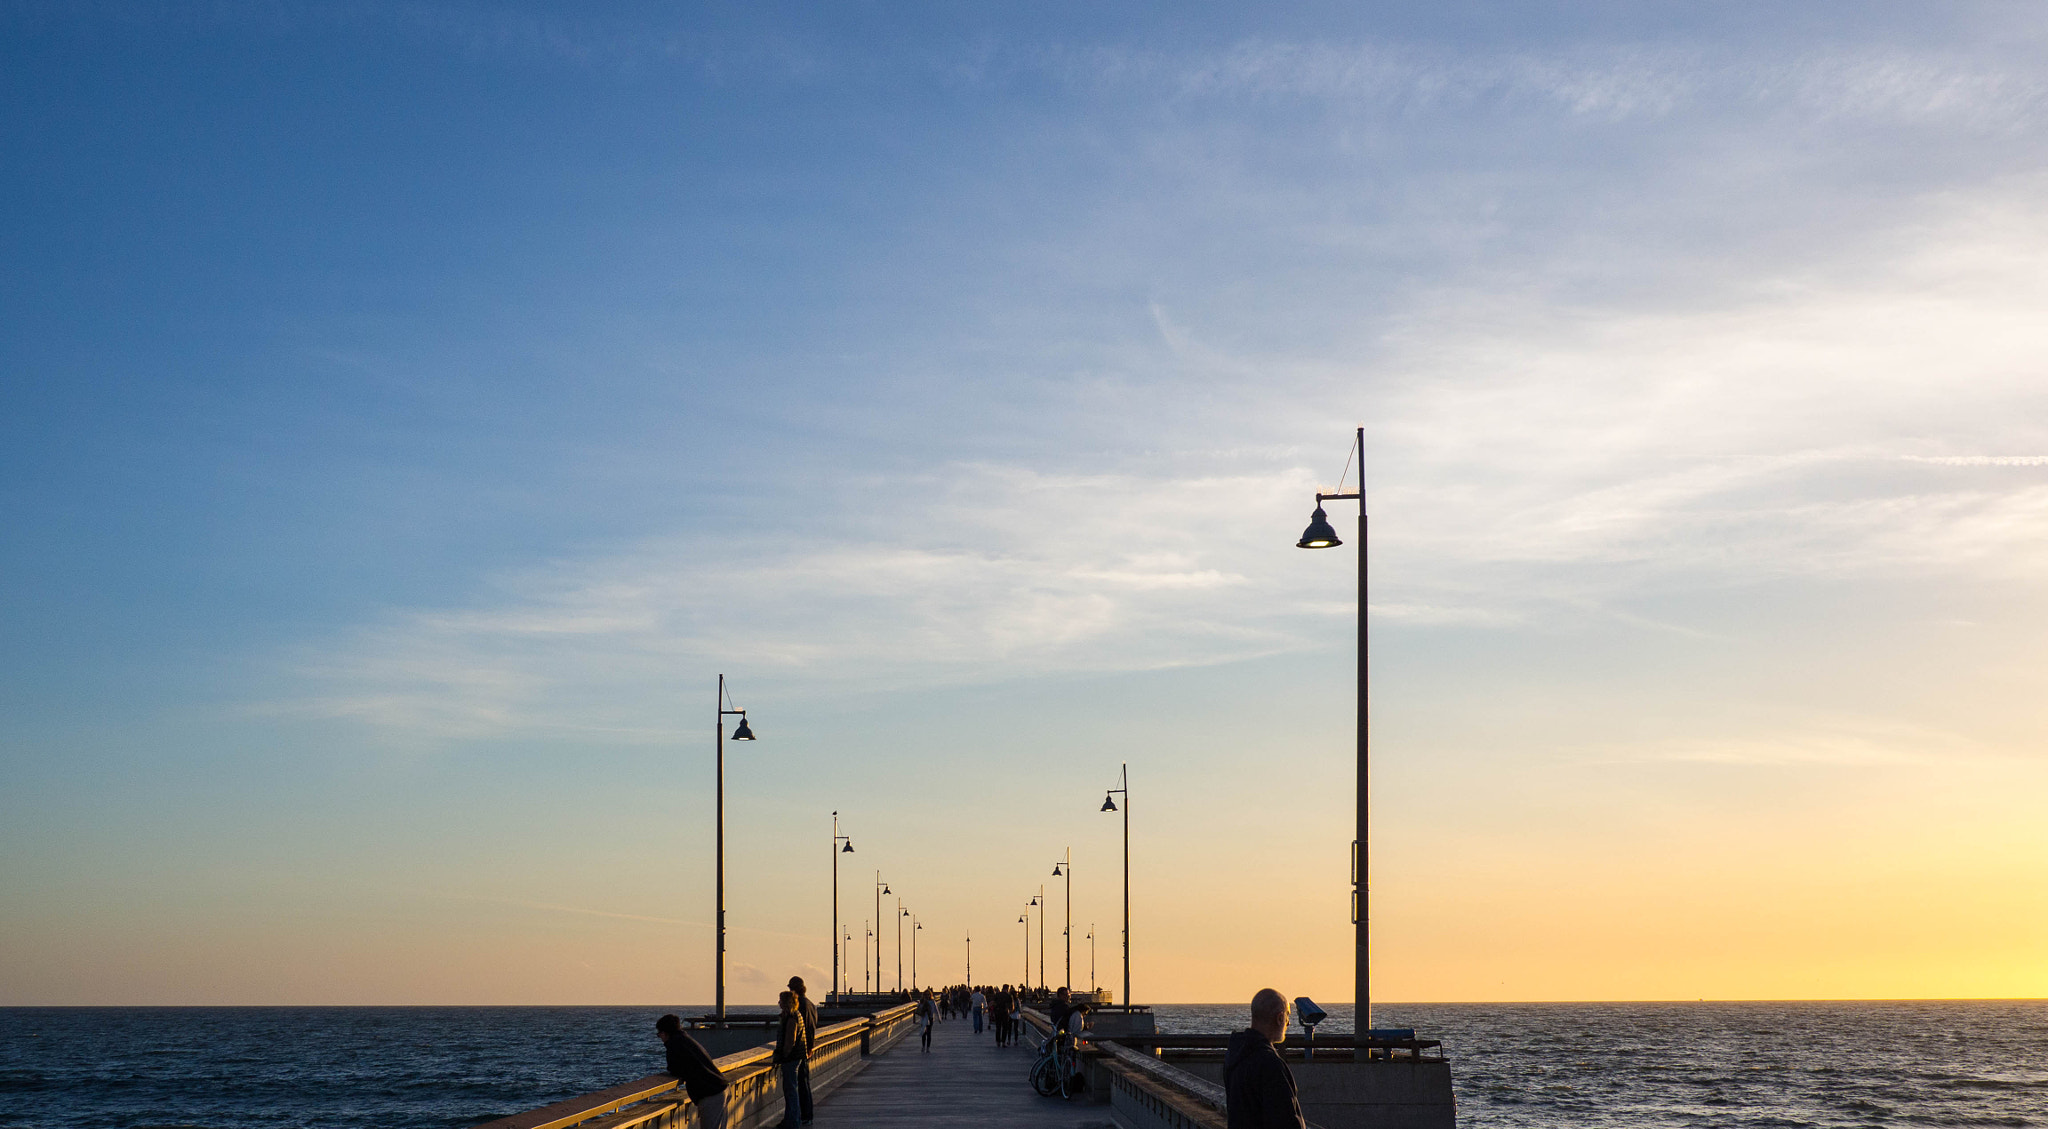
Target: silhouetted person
1258, 1088
692, 1065
792, 1047
803, 1073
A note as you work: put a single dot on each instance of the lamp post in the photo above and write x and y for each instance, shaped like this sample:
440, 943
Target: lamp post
741, 733
901, 913
1024, 919
881, 888
1110, 805
1039, 901
1091, 958
916, 927
1067, 863
970, 957
837, 839
1321, 535
869, 935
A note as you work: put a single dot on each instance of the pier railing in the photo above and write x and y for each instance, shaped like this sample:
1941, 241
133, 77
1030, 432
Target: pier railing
1143, 1091
753, 1096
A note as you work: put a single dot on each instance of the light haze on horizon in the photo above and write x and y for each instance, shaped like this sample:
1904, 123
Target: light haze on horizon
407, 413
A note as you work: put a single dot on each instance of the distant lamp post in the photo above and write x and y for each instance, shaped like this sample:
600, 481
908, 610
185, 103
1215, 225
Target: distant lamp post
742, 733
1321, 535
881, 888
1065, 867
1091, 958
1024, 919
901, 913
1109, 804
864, 942
837, 839
916, 927
970, 957
1039, 902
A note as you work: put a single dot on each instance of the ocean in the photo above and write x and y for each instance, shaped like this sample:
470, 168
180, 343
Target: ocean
1962, 1063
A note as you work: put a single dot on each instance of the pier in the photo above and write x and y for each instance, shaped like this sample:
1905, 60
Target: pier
870, 1073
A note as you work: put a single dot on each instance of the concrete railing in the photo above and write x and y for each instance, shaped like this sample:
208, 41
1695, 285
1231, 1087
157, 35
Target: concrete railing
753, 1096
1142, 1091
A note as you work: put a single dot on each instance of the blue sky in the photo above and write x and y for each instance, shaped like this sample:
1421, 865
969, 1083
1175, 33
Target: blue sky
406, 411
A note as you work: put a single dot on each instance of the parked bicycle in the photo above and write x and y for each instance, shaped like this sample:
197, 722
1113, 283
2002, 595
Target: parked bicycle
1057, 1069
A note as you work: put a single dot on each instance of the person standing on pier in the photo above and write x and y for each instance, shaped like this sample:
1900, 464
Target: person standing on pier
692, 1065
1258, 1088
979, 1004
792, 1047
809, 1011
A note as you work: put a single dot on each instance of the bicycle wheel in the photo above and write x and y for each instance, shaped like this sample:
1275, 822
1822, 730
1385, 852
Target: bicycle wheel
1045, 1077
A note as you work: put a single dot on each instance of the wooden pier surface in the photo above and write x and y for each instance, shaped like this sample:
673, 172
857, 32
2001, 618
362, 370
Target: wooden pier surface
964, 1083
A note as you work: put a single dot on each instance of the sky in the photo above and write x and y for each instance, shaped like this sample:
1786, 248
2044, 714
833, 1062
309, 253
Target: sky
408, 412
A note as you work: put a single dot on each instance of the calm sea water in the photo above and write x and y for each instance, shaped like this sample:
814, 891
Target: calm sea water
1549, 1065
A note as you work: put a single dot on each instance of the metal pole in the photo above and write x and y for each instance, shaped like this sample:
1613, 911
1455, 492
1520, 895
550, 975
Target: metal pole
1068, 933
970, 958
835, 902
899, 944
1091, 957
1363, 877
718, 724
916, 927
1127, 884
1024, 919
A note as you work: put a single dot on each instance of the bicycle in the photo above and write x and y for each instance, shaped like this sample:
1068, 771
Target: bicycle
1057, 1069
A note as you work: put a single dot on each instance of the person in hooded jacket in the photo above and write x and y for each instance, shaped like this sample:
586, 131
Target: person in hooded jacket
692, 1064
1258, 1088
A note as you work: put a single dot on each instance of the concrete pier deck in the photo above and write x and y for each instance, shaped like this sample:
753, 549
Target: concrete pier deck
964, 1083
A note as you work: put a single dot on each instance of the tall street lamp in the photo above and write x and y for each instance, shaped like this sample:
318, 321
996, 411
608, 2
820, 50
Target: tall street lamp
1321, 535
1109, 804
1024, 919
1039, 901
742, 733
970, 957
1091, 958
837, 839
916, 927
901, 913
869, 935
881, 888
1066, 863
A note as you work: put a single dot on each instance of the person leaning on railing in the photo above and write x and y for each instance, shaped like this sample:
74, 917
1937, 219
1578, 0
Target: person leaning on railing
692, 1066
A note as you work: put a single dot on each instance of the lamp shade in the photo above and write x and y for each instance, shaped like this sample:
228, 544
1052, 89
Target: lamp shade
743, 733
1319, 534
1108, 803
848, 849
1055, 870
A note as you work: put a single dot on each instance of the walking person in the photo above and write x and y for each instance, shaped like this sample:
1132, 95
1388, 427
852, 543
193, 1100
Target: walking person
928, 1014
809, 1011
1258, 1089
978, 1003
792, 1046
692, 1065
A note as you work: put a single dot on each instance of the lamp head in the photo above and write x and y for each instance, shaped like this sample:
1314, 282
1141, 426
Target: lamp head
1319, 534
743, 733
1108, 803
1055, 870
885, 887
848, 849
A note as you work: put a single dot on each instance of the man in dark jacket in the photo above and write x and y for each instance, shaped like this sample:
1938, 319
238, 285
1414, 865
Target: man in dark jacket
1258, 1088
692, 1065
